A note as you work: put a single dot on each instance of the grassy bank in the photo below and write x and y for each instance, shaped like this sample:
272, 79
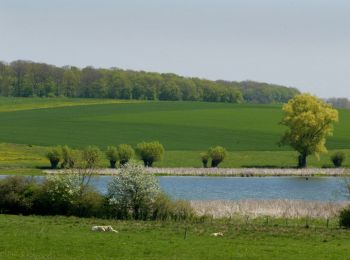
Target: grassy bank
31, 160
70, 238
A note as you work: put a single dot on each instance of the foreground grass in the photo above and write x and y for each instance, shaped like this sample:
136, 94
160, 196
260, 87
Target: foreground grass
71, 238
30, 159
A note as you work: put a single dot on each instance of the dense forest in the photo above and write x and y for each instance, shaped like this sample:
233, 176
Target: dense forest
28, 79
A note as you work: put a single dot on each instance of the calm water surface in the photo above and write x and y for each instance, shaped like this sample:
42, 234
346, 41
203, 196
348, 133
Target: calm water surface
235, 188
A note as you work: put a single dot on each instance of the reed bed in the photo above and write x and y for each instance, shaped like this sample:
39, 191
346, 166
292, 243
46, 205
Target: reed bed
272, 208
230, 171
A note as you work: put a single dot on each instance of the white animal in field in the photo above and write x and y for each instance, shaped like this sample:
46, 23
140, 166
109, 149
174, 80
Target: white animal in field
218, 234
103, 229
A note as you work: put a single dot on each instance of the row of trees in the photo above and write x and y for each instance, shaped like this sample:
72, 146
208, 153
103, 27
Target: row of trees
339, 102
27, 79
148, 152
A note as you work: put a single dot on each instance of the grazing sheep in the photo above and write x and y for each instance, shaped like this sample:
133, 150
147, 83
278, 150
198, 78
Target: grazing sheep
103, 229
218, 234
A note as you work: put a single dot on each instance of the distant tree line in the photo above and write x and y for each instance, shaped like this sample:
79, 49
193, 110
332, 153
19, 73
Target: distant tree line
339, 102
31, 79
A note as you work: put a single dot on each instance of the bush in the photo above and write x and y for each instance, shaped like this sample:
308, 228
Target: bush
17, 195
150, 152
344, 218
217, 155
125, 153
112, 156
91, 157
338, 158
205, 159
89, 204
132, 192
69, 157
58, 194
54, 156
166, 209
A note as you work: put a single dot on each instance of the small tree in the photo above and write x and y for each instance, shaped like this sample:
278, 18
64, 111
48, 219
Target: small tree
205, 159
150, 152
309, 121
85, 168
112, 156
338, 158
133, 191
217, 155
54, 156
125, 153
91, 157
69, 157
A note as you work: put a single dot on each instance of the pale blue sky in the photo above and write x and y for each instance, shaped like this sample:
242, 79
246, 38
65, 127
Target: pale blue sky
301, 43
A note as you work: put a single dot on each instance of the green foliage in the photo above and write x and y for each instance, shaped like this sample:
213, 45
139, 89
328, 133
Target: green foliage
309, 121
112, 156
166, 209
344, 217
16, 195
90, 204
91, 157
125, 153
338, 159
30, 79
205, 158
217, 155
132, 192
69, 157
150, 152
58, 194
54, 156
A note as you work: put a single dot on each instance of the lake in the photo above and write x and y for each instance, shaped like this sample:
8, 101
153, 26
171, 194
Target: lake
236, 188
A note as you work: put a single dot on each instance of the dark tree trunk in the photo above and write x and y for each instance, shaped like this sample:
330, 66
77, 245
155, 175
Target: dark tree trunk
147, 163
214, 163
112, 163
123, 162
54, 164
302, 163
205, 164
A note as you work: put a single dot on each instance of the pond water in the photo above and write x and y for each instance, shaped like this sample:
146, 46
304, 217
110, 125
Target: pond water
235, 188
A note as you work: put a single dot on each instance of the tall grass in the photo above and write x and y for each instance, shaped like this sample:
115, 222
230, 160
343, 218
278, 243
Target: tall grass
272, 208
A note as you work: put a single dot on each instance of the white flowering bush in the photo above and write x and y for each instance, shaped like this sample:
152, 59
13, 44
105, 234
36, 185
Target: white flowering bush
59, 194
132, 192
63, 187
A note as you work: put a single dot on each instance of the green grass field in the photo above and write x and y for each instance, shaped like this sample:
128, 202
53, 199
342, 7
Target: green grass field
249, 132
70, 238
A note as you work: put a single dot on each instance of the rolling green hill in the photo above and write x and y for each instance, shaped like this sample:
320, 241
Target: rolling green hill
249, 132
188, 126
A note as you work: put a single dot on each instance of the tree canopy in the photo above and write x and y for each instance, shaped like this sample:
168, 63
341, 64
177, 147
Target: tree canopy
30, 79
309, 121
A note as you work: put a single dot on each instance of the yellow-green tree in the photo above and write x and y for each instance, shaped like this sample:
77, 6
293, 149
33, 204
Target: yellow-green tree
309, 121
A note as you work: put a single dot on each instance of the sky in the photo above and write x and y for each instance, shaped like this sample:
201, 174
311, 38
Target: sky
298, 43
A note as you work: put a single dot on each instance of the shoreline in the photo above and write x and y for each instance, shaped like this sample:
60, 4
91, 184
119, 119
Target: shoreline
226, 172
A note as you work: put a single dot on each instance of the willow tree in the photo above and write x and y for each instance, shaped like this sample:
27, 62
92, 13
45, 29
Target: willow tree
309, 121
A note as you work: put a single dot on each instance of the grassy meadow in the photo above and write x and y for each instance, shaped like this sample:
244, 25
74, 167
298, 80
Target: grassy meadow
30, 237
250, 132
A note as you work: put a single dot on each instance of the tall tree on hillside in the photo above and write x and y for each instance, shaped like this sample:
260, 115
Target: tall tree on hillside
309, 121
